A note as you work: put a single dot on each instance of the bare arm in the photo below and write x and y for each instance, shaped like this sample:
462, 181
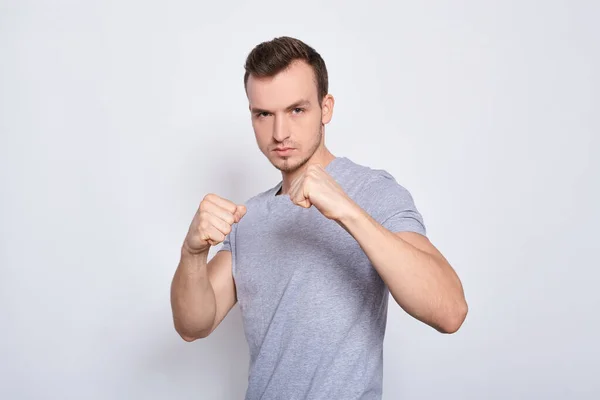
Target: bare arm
420, 279
202, 294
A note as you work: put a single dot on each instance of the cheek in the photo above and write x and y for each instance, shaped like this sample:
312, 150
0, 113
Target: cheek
262, 132
308, 124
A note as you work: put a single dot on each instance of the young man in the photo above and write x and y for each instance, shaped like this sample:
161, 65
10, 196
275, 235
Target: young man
312, 260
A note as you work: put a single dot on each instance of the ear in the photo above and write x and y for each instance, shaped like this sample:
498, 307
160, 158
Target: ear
327, 109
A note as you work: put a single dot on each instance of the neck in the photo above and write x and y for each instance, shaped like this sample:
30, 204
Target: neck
322, 157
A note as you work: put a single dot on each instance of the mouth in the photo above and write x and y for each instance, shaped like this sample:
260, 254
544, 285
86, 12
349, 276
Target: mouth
283, 151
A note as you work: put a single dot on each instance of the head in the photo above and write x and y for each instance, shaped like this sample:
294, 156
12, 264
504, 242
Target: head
287, 87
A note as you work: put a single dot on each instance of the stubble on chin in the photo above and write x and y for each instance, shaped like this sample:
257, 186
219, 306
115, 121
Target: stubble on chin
288, 165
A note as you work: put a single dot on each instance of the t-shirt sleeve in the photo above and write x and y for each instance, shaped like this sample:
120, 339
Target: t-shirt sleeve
225, 245
392, 205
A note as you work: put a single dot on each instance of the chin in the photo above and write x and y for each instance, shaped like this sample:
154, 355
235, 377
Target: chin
289, 164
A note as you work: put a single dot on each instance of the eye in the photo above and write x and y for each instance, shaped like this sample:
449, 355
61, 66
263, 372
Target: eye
298, 110
262, 114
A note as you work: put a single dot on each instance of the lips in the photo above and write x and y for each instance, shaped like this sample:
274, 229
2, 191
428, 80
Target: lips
283, 151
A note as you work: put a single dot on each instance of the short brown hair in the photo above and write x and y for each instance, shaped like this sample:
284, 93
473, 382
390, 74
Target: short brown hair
269, 58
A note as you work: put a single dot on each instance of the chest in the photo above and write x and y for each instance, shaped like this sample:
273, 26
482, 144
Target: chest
288, 244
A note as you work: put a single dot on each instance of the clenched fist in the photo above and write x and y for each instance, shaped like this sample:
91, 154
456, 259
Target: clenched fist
212, 223
315, 187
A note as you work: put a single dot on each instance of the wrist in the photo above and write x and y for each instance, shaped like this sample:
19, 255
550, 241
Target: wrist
351, 214
193, 256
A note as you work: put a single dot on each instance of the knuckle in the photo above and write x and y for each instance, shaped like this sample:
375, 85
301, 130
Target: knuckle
202, 215
231, 209
229, 218
210, 197
203, 225
204, 204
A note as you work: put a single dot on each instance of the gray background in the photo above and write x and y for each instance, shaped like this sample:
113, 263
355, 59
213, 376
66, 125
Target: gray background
117, 117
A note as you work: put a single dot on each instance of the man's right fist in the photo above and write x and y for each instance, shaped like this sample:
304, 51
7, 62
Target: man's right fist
212, 223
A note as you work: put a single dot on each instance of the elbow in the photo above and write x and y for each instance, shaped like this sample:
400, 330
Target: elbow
188, 339
191, 336
454, 319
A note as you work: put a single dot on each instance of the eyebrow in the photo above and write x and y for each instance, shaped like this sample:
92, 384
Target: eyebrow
299, 103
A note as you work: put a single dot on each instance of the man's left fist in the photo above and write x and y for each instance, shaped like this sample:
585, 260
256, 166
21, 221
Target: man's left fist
316, 187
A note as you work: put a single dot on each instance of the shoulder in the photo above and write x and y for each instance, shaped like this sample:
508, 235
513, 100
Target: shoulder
388, 202
370, 182
378, 192
383, 183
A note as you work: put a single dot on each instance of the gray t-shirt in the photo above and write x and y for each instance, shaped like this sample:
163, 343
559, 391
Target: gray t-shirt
314, 309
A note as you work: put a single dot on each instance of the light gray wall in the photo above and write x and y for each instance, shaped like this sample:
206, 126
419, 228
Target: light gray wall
117, 117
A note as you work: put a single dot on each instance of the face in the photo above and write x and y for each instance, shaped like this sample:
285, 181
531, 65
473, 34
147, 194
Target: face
287, 117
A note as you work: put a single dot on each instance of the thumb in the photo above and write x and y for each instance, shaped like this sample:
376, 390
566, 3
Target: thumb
304, 203
240, 211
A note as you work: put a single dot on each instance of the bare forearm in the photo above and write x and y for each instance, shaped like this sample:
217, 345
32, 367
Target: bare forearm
192, 297
423, 284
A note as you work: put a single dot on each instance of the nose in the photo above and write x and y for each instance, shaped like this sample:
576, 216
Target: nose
280, 129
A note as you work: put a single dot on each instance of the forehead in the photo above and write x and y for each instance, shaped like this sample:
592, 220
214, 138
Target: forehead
290, 85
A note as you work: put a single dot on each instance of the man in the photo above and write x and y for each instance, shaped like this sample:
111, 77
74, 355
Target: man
312, 260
